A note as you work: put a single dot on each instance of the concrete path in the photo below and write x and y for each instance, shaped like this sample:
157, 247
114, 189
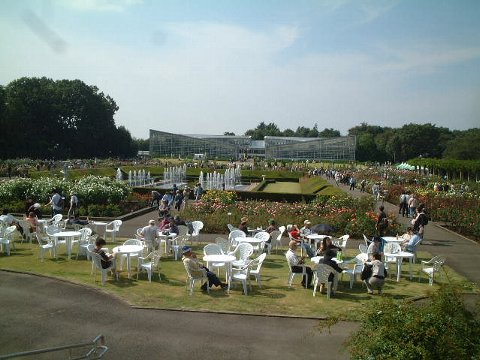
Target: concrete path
39, 312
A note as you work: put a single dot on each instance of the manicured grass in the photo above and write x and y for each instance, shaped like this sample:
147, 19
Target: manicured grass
284, 187
274, 298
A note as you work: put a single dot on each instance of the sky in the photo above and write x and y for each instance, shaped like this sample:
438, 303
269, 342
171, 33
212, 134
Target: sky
208, 67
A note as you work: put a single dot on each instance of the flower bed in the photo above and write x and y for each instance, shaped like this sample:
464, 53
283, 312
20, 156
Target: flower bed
347, 215
99, 196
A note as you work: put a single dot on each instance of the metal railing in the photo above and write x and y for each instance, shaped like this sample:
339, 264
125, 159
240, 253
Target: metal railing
95, 349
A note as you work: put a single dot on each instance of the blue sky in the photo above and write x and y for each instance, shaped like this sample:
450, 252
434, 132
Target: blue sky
215, 66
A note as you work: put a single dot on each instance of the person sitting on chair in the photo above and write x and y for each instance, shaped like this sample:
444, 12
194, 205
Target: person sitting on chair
327, 245
243, 225
106, 258
296, 264
196, 268
328, 260
294, 234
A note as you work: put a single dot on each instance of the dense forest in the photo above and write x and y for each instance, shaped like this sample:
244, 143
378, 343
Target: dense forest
41, 118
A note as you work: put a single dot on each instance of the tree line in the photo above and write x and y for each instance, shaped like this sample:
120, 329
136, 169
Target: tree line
377, 143
44, 119
41, 118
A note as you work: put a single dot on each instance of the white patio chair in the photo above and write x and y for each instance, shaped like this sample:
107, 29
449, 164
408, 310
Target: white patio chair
223, 243
84, 241
8, 239
292, 274
321, 275
197, 226
264, 236
431, 267
55, 220
27, 235
242, 252
273, 238
44, 244
362, 248
191, 280
342, 241
52, 229
233, 235
278, 241
97, 261
366, 239
356, 269
149, 266
242, 275
182, 229
214, 249
413, 249
178, 243
256, 266
138, 233
112, 228
231, 227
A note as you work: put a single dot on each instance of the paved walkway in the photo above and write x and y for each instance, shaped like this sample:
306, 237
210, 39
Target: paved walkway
39, 312
463, 255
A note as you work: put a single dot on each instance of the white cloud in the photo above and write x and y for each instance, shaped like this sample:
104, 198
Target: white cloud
211, 78
426, 58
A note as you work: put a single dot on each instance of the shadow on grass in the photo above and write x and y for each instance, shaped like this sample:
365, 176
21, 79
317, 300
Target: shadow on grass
272, 264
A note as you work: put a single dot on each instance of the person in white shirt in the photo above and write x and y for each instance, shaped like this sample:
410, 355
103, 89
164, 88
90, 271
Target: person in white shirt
150, 234
296, 263
73, 209
377, 279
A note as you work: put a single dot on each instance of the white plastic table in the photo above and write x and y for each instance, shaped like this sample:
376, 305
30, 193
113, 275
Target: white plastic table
316, 238
393, 239
316, 260
167, 238
128, 250
227, 259
399, 256
69, 237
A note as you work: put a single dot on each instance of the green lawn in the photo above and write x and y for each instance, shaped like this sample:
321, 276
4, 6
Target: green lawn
274, 298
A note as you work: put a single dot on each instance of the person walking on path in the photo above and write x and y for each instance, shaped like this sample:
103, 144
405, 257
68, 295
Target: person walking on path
382, 221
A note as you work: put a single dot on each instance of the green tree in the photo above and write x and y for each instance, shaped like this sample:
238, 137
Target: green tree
367, 147
329, 133
61, 119
465, 145
263, 130
142, 144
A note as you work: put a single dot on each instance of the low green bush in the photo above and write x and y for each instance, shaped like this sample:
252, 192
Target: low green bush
438, 328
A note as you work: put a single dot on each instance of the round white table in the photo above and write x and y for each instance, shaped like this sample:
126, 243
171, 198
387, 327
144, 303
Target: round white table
316, 260
316, 238
399, 256
222, 259
69, 237
393, 239
128, 250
